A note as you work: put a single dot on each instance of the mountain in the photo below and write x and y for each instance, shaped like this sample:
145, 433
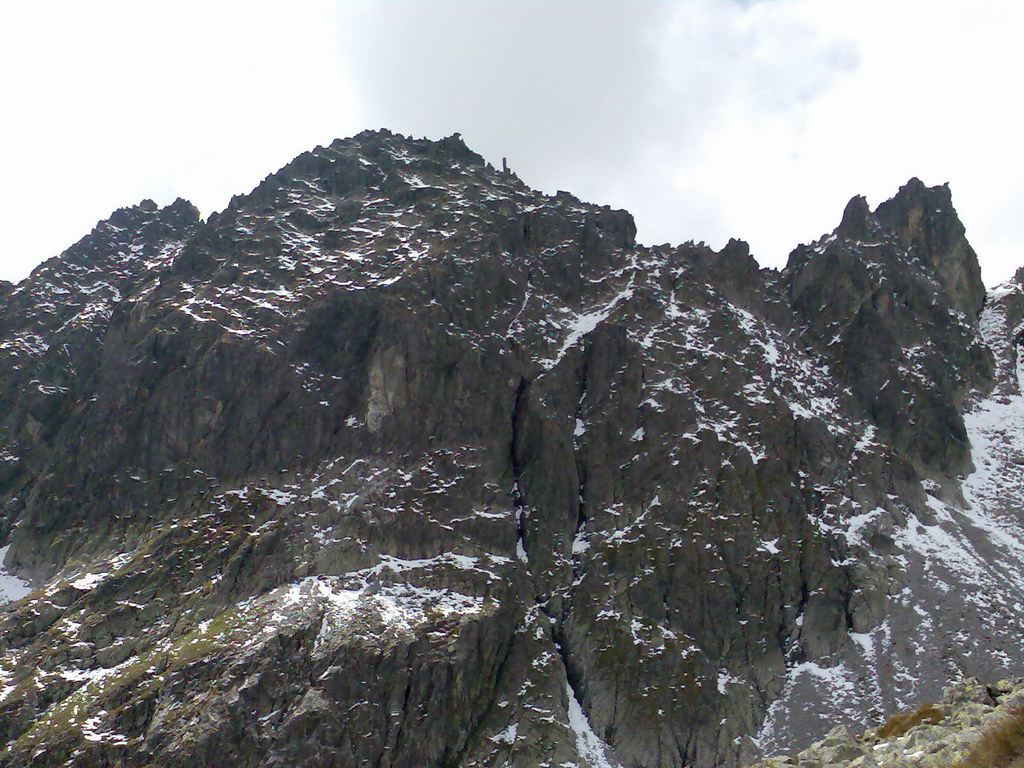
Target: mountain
397, 461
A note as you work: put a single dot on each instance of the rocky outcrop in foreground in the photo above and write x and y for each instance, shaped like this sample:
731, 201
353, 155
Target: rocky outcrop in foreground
949, 734
396, 461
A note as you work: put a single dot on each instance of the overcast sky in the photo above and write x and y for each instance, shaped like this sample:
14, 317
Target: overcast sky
707, 119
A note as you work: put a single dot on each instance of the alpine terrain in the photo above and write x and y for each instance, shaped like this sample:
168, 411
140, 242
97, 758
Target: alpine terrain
399, 462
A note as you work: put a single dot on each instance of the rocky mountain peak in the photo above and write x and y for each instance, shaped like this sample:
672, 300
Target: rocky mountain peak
147, 213
372, 160
858, 222
928, 227
884, 286
398, 461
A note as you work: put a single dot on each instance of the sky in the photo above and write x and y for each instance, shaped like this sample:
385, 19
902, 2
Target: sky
706, 119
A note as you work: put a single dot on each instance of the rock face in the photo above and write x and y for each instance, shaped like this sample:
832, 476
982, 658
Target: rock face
397, 461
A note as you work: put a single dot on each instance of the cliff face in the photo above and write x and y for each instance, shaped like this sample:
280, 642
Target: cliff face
396, 461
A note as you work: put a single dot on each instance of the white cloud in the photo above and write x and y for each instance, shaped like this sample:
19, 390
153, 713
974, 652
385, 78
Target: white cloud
705, 118
710, 119
115, 101
931, 97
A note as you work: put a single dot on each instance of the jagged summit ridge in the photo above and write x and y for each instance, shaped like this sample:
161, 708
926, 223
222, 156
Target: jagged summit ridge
398, 461
886, 289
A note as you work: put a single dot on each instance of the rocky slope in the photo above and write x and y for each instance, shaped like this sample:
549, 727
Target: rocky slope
397, 461
942, 735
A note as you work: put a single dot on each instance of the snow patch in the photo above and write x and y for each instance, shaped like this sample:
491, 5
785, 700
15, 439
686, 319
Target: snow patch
588, 745
521, 551
91, 731
400, 607
11, 587
771, 547
507, 736
88, 581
